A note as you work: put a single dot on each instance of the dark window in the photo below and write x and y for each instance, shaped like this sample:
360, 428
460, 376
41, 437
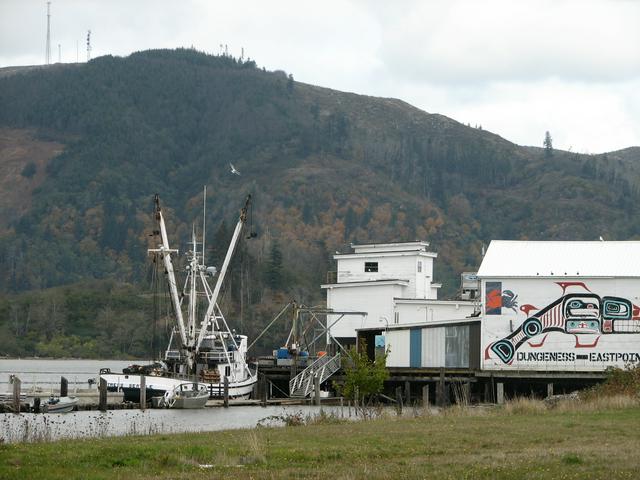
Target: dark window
227, 371
370, 266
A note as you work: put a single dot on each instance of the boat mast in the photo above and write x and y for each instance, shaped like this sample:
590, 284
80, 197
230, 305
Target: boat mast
210, 314
165, 252
193, 299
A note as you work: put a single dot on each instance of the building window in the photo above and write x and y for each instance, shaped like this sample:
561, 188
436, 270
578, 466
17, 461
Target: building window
396, 318
419, 266
370, 266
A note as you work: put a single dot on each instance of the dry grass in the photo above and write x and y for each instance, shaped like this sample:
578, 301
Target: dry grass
524, 406
598, 404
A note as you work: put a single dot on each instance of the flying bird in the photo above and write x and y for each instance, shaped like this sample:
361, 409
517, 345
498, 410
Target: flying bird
233, 169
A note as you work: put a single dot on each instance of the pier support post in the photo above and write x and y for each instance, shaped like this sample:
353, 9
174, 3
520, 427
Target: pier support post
549, 390
440, 386
143, 392
102, 390
407, 392
226, 392
466, 392
425, 396
399, 400
64, 387
316, 389
500, 393
263, 381
16, 393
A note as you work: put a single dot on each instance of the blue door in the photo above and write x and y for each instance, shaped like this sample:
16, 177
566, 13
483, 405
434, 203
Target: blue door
415, 347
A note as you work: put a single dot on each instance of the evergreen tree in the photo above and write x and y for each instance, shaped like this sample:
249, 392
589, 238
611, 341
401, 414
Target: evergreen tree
290, 83
274, 267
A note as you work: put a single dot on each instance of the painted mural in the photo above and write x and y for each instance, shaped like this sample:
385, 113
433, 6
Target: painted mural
581, 314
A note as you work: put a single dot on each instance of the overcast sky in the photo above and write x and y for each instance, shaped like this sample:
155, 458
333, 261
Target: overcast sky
518, 68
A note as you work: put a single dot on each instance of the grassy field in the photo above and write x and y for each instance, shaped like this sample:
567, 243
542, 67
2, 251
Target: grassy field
520, 441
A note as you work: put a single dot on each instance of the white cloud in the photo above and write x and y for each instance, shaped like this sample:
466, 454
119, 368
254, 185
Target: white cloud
517, 67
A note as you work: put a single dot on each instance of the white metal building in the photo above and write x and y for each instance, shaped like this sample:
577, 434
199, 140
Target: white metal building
560, 306
392, 283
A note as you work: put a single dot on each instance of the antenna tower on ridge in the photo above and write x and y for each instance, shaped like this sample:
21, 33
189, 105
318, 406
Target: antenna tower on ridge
47, 55
88, 45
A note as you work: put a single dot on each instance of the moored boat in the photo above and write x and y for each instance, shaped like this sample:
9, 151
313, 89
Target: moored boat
59, 405
202, 350
186, 396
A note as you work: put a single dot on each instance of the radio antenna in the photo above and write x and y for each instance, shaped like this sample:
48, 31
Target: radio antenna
47, 55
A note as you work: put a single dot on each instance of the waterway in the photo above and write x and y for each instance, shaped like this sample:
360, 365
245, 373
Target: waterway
33, 427
46, 373
30, 427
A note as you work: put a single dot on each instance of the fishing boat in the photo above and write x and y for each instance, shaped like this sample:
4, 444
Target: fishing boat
60, 405
186, 395
203, 350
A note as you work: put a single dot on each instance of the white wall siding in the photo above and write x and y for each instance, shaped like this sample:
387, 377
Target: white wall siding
433, 347
377, 300
397, 342
395, 267
420, 312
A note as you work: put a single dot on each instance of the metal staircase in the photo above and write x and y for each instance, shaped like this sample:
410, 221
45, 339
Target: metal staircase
301, 385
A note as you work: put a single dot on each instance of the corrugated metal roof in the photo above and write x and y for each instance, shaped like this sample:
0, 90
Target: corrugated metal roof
510, 258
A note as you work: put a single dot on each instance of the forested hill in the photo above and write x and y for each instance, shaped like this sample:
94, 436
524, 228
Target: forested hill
84, 147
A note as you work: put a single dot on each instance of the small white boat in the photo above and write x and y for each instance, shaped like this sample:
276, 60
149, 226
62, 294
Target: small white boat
60, 405
186, 395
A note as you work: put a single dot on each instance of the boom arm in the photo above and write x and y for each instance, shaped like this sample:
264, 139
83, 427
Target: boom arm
227, 259
166, 257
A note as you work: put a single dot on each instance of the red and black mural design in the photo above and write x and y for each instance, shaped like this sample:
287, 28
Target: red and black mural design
573, 313
495, 299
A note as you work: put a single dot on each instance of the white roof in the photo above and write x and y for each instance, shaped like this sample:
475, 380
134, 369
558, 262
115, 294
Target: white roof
390, 247
510, 258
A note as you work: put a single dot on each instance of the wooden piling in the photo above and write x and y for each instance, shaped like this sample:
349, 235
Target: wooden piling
263, 381
549, 389
16, 393
316, 389
407, 392
440, 386
500, 393
399, 400
226, 392
143, 392
102, 389
425, 396
64, 387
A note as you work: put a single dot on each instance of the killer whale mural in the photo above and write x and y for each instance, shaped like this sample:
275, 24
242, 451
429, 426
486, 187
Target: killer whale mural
579, 314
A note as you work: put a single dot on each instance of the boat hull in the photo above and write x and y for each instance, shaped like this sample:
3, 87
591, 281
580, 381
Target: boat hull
190, 402
156, 386
64, 405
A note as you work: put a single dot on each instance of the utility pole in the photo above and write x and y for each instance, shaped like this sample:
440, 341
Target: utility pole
47, 55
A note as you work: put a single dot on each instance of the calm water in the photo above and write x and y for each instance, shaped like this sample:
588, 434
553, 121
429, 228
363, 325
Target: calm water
47, 373
30, 427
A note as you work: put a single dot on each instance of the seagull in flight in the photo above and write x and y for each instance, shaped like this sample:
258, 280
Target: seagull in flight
233, 169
